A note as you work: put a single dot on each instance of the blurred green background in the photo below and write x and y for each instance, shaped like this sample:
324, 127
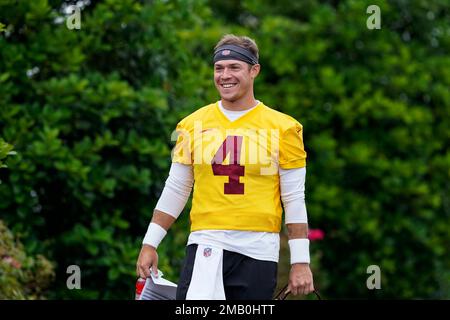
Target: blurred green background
89, 113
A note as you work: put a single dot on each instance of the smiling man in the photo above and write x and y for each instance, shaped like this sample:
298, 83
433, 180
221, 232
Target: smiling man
247, 161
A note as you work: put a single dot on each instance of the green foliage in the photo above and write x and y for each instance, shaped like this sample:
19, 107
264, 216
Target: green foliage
372, 104
5, 150
21, 276
90, 113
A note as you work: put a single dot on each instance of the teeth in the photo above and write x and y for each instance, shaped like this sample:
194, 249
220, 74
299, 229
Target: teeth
228, 85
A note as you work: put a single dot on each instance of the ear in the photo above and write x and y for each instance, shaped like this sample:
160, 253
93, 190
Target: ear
254, 71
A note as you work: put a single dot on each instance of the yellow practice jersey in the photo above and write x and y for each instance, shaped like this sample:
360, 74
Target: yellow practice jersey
236, 180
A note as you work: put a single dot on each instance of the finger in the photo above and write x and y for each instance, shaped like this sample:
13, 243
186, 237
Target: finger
307, 288
145, 271
154, 268
138, 270
142, 273
302, 289
294, 290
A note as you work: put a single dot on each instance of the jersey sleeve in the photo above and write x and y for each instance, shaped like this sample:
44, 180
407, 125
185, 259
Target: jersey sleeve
182, 151
292, 150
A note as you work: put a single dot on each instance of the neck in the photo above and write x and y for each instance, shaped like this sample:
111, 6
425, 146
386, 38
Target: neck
244, 103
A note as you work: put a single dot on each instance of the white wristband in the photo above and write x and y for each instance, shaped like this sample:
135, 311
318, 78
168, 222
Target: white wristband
155, 233
299, 250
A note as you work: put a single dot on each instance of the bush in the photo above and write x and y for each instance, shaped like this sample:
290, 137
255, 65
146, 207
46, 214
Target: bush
5, 150
21, 276
90, 113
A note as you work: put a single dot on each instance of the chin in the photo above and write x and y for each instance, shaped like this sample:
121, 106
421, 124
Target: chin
230, 99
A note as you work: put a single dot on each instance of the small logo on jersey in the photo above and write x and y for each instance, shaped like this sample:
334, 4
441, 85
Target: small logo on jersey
205, 130
226, 52
207, 252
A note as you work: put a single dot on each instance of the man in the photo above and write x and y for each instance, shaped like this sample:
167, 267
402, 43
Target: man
246, 159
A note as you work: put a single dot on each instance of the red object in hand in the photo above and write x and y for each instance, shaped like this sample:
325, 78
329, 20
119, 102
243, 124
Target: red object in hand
139, 287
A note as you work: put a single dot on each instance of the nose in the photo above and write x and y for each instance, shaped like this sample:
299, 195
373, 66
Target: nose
225, 74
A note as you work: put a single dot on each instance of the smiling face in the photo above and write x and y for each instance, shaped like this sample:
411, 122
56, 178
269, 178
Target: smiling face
234, 79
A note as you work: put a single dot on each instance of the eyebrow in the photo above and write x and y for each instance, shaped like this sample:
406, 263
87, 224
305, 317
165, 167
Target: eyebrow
230, 65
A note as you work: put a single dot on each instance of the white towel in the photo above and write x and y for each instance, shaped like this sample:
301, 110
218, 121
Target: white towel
207, 275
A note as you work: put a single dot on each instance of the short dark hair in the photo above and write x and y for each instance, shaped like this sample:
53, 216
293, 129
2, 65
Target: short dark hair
241, 41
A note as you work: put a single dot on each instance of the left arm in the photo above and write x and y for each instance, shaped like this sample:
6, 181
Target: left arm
292, 187
300, 277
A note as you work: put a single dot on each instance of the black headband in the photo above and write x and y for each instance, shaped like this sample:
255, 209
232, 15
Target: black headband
233, 52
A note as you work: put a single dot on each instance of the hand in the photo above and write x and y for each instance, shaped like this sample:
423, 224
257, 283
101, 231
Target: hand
148, 258
300, 279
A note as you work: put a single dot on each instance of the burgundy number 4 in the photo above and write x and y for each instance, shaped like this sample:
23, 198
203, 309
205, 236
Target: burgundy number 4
232, 145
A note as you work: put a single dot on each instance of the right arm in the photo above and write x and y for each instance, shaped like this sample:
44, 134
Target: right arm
148, 257
171, 203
